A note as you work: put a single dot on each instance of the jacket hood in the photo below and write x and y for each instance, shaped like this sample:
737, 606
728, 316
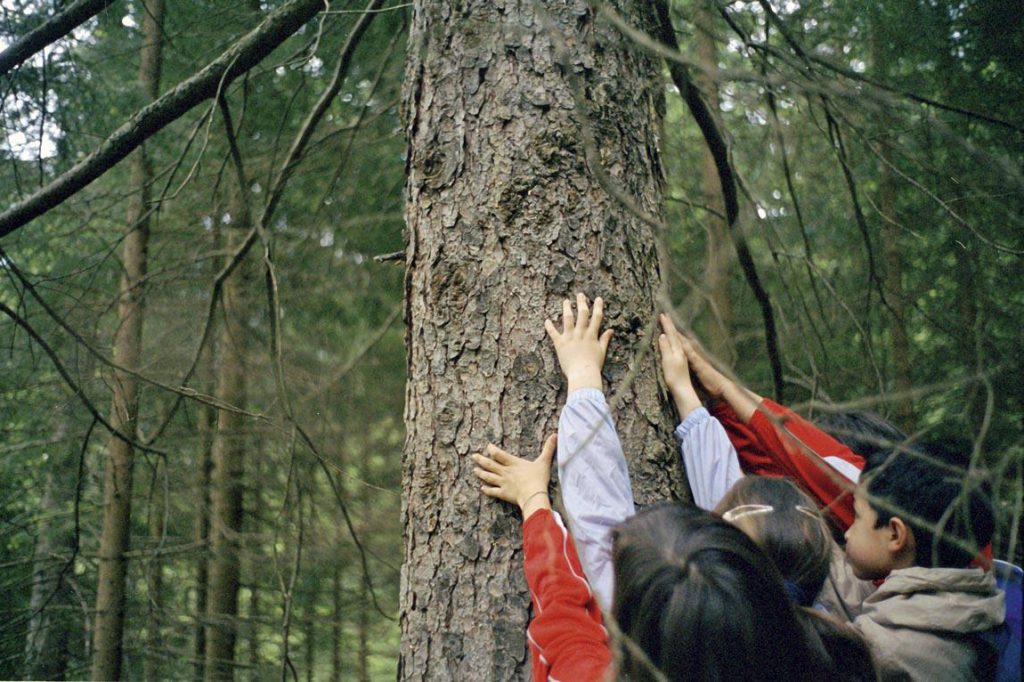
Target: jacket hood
959, 600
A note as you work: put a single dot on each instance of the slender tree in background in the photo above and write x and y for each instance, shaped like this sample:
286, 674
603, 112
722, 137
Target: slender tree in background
117, 482
206, 426
719, 249
49, 628
896, 297
228, 458
521, 124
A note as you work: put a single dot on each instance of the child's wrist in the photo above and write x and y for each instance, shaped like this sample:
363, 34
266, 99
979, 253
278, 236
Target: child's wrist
686, 399
588, 377
534, 502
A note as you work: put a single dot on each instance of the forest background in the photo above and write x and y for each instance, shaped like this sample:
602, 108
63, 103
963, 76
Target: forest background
255, 366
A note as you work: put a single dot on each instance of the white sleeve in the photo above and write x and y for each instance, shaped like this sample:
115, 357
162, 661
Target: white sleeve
594, 483
711, 463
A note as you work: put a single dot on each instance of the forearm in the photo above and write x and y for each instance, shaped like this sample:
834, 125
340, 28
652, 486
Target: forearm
743, 401
586, 376
685, 399
535, 503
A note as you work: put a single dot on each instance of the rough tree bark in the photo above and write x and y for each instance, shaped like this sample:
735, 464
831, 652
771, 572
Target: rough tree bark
719, 249
228, 468
117, 482
506, 215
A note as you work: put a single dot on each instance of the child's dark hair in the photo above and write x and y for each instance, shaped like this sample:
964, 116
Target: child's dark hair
698, 600
866, 433
790, 531
786, 524
949, 513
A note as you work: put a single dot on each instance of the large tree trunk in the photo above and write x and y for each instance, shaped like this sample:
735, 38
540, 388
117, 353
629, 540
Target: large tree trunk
719, 249
226, 477
506, 216
117, 482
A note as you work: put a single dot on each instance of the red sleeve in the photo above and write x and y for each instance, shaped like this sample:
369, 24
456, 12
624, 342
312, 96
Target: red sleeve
754, 460
825, 468
567, 638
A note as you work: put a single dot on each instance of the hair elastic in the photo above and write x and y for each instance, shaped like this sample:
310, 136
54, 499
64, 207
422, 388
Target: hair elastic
742, 510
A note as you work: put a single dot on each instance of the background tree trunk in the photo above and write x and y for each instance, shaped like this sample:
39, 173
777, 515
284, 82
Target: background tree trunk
719, 248
505, 217
903, 414
897, 298
336, 624
46, 646
117, 482
154, 571
228, 467
206, 428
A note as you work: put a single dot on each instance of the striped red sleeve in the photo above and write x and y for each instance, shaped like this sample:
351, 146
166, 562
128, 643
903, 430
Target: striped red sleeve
779, 442
567, 638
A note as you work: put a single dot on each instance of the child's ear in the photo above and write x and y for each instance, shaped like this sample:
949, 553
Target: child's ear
901, 537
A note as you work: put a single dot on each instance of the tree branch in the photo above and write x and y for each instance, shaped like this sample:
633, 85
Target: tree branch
149, 120
75, 388
52, 30
699, 109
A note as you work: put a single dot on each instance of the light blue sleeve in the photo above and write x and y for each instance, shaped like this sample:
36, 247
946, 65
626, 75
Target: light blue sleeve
710, 460
594, 483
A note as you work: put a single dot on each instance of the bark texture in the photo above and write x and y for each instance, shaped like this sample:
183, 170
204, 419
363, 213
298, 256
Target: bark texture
506, 216
117, 481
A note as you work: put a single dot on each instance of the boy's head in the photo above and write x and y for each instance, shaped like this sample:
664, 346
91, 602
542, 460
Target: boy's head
866, 433
917, 508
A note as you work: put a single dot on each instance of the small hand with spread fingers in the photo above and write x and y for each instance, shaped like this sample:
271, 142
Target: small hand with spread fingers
580, 347
517, 480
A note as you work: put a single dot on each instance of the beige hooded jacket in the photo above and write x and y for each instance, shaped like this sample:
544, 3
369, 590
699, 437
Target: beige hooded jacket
922, 623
